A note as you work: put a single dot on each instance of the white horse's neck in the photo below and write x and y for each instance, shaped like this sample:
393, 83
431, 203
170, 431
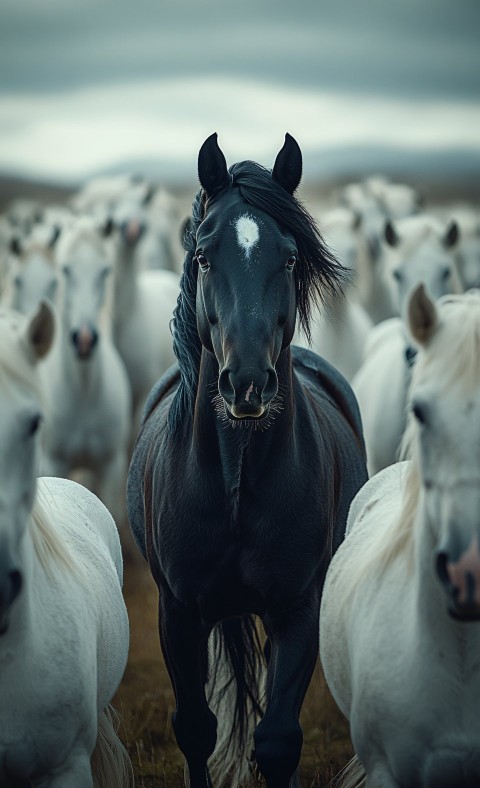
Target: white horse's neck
126, 282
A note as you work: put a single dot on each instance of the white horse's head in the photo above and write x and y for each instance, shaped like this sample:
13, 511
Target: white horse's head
421, 249
85, 264
23, 341
445, 406
130, 213
468, 250
32, 274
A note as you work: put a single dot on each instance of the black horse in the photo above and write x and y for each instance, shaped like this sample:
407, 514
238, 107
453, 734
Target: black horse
241, 479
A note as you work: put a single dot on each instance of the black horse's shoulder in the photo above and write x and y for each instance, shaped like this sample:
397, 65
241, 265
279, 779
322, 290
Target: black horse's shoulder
332, 383
164, 385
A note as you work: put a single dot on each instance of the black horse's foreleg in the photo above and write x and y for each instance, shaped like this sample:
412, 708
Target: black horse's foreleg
184, 646
293, 637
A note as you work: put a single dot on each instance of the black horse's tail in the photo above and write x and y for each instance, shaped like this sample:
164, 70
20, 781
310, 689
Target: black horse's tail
235, 694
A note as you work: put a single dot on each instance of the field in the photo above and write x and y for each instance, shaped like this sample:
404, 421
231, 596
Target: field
145, 702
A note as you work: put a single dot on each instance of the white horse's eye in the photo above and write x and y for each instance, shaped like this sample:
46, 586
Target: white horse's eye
397, 275
18, 282
66, 270
446, 273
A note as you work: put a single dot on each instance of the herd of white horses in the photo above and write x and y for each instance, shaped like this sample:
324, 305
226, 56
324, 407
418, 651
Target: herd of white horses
87, 294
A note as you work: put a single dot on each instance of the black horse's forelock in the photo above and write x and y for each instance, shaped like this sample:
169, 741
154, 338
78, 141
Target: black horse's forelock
318, 275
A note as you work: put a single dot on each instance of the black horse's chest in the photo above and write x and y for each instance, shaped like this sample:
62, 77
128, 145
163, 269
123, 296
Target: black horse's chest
252, 538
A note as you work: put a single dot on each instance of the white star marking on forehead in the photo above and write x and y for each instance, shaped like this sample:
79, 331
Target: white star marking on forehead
247, 233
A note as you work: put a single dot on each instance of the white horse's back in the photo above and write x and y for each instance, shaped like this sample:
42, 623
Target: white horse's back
380, 385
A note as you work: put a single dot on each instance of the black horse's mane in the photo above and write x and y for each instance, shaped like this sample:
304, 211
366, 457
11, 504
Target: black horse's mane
317, 273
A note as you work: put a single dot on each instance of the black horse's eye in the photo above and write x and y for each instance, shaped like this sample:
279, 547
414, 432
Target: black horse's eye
202, 261
419, 413
290, 264
34, 423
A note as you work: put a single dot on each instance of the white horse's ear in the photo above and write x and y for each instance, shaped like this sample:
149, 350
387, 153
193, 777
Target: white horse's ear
40, 330
107, 227
390, 233
56, 233
15, 246
452, 235
422, 315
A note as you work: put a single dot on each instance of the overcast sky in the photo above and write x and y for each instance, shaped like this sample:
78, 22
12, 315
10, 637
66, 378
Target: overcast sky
86, 85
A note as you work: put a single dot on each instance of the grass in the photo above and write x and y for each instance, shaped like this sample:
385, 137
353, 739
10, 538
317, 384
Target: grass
145, 702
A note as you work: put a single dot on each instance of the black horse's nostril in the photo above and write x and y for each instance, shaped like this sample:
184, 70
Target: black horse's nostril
225, 386
271, 386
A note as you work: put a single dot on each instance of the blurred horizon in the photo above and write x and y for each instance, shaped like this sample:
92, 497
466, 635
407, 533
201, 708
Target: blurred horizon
110, 86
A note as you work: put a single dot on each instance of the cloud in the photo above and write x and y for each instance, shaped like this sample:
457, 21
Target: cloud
68, 135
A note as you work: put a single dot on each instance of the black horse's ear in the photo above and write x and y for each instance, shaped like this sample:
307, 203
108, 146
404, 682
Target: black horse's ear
287, 170
212, 167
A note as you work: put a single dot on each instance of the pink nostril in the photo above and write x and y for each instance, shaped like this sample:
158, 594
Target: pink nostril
133, 230
85, 341
464, 575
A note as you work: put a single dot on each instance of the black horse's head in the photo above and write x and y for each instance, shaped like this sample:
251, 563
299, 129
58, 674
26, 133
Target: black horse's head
246, 302
255, 259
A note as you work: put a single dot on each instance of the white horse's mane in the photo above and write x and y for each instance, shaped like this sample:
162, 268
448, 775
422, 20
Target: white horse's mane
452, 357
16, 368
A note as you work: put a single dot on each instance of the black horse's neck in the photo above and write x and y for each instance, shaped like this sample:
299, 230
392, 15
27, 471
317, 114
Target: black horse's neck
217, 439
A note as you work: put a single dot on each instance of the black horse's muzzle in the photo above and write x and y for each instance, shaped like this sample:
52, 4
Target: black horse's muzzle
247, 394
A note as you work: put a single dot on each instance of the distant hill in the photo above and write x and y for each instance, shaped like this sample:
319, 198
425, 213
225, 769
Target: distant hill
439, 174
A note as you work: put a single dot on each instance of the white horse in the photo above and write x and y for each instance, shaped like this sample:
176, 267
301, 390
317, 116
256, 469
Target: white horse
375, 200
400, 613
420, 249
341, 326
32, 274
89, 421
423, 250
468, 250
63, 623
142, 309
